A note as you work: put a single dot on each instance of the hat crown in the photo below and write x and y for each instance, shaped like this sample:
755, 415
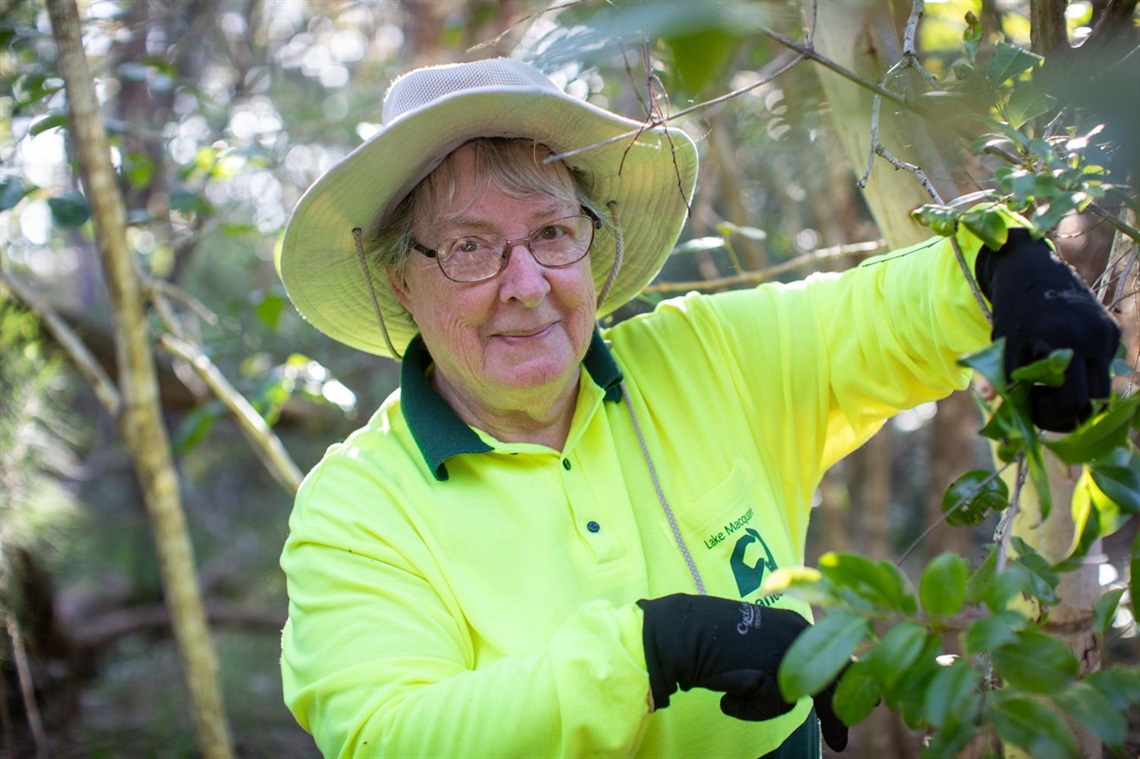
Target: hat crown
423, 86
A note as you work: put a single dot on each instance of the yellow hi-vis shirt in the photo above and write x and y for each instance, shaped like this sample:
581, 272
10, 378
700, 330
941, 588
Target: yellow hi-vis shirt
453, 595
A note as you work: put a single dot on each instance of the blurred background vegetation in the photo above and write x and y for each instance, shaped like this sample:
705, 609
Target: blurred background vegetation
220, 113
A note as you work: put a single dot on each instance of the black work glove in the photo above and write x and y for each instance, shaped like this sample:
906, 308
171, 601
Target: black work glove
734, 647
1041, 305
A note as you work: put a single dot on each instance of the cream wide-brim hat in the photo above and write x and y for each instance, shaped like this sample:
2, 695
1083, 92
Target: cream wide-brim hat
646, 178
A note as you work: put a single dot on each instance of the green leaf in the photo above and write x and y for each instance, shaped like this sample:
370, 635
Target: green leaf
52, 120
949, 692
1008, 61
195, 426
942, 588
69, 210
1120, 685
1105, 609
1036, 662
1042, 577
988, 224
12, 191
1027, 103
942, 220
820, 653
185, 201
972, 496
990, 633
1033, 726
856, 695
138, 168
896, 653
1004, 586
727, 228
988, 363
1099, 435
979, 581
877, 581
1093, 710
268, 308
1047, 371
1134, 574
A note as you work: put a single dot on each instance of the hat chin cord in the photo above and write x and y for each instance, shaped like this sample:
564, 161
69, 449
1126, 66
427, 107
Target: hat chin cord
619, 254
357, 238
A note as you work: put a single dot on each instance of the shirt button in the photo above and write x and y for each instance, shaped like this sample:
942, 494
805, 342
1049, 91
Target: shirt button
593, 526
566, 464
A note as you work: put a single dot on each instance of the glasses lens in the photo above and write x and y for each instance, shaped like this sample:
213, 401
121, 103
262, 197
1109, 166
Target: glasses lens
562, 242
472, 258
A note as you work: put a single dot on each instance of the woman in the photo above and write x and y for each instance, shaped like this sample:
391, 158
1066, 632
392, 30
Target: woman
549, 529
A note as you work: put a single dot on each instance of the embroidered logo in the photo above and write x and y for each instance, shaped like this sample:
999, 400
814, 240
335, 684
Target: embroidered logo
750, 577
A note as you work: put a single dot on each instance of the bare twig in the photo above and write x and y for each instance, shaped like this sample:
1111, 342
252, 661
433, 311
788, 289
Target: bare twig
27, 689
762, 275
260, 435
1120, 224
946, 514
1003, 532
76, 351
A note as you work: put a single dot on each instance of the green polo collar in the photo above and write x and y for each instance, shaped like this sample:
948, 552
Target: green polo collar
437, 429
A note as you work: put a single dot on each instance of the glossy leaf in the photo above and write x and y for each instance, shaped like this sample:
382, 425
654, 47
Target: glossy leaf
988, 224
942, 588
52, 120
1120, 685
1098, 436
1036, 662
1093, 710
12, 191
819, 654
1032, 725
1117, 477
972, 496
1004, 586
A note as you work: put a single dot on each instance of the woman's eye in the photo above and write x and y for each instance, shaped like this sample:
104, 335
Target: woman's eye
551, 232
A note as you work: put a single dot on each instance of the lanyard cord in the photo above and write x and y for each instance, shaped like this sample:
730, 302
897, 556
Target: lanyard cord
696, 574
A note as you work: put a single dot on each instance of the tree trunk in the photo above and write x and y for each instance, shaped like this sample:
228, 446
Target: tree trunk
140, 422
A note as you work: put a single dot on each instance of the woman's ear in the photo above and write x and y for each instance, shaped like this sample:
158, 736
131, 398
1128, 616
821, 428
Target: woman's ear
399, 284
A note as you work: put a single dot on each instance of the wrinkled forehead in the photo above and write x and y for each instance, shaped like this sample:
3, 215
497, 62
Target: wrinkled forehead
516, 168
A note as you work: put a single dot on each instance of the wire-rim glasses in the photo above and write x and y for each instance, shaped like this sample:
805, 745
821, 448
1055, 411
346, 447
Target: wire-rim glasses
480, 256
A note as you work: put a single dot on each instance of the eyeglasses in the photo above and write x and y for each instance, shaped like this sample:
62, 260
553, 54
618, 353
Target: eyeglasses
479, 257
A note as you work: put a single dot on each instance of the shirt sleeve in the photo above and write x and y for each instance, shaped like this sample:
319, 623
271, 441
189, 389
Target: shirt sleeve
377, 659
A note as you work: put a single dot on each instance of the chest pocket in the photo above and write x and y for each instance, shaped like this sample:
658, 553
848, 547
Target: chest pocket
731, 534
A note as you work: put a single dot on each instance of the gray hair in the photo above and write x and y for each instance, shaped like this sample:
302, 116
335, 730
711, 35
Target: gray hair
501, 163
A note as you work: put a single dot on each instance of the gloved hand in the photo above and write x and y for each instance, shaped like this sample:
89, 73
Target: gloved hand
734, 647
1041, 305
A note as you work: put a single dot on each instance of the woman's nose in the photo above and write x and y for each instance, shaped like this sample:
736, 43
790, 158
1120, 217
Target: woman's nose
524, 278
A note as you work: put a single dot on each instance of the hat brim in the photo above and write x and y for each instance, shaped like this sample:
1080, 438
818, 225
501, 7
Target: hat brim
649, 176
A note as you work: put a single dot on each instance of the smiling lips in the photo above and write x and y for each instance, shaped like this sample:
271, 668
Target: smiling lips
523, 334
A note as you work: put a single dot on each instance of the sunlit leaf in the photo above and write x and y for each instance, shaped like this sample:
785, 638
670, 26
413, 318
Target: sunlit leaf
1026, 104
988, 362
988, 224
878, 581
1099, 435
1008, 61
820, 653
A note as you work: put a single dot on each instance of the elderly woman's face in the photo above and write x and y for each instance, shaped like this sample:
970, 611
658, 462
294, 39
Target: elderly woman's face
525, 331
